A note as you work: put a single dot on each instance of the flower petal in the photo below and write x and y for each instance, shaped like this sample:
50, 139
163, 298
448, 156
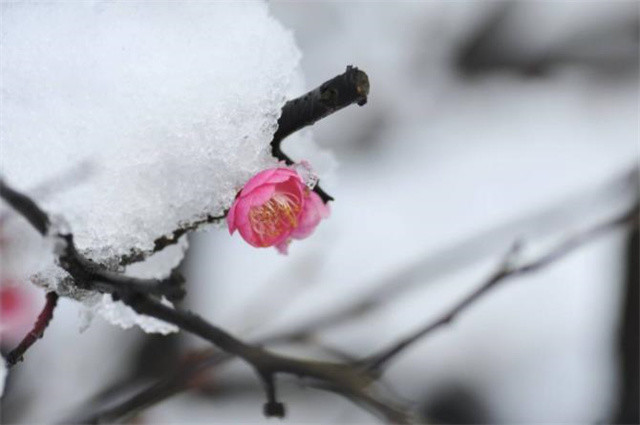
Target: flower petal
231, 217
283, 247
270, 176
313, 211
249, 235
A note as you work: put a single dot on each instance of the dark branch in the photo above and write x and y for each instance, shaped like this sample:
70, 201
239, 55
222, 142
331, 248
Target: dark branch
339, 92
348, 88
90, 275
162, 242
505, 272
43, 320
265, 362
627, 410
26, 207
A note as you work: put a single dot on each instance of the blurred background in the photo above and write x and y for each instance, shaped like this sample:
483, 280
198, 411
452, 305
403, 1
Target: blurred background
487, 123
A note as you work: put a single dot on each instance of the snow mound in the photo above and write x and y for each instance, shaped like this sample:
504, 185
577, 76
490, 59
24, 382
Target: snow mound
172, 105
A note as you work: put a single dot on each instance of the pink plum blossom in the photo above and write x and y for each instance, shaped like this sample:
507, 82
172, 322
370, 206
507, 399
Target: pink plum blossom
274, 207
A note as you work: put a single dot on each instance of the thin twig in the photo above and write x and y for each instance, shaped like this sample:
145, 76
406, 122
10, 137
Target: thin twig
164, 241
26, 207
42, 322
620, 191
505, 272
348, 88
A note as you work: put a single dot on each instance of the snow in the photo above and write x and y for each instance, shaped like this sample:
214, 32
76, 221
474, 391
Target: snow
171, 105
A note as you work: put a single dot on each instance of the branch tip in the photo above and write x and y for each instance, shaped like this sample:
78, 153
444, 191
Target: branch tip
348, 88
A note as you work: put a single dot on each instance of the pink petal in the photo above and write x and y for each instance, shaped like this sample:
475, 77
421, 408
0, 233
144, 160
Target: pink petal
323, 209
249, 235
231, 217
238, 213
270, 176
313, 211
258, 197
283, 247
292, 187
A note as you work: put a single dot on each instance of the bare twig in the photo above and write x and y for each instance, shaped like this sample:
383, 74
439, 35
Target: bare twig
266, 363
26, 207
620, 192
348, 88
505, 272
43, 320
164, 241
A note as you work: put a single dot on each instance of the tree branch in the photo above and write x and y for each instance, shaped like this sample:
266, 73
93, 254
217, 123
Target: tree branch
504, 273
164, 241
266, 363
341, 91
26, 207
90, 275
42, 322
620, 192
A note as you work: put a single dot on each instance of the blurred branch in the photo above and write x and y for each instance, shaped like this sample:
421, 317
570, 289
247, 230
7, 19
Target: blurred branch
620, 192
507, 271
64, 181
627, 411
26, 207
341, 91
499, 43
347, 377
42, 322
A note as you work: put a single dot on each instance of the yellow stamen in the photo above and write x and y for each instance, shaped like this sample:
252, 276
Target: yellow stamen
274, 217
